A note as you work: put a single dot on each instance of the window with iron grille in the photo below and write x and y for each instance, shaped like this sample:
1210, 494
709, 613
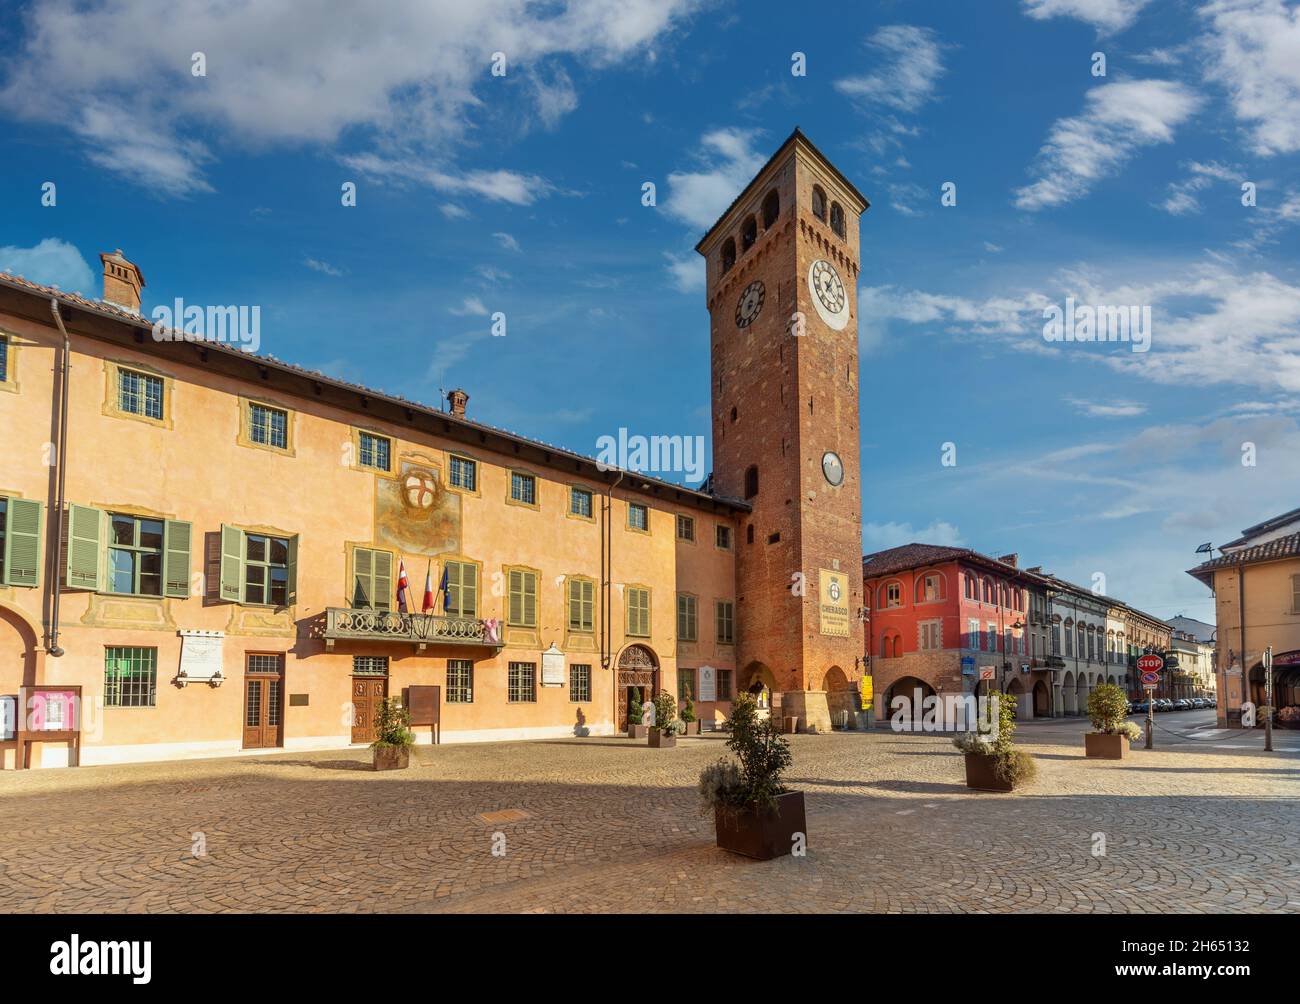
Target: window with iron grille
521, 683
135, 555
375, 451
464, 474
130, 677
268, 426
638, 518
263, 663
688, 627
523, 488
580, 683
685, 527
370, 665
460, 681
266, 569
580, 502
140, 393
724, 685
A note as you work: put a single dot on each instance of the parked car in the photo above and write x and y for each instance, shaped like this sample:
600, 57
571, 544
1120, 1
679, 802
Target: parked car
1182, 704
1139, 708
1164, 704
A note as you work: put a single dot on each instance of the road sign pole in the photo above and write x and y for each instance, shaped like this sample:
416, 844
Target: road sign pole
1151, 719
1268, 699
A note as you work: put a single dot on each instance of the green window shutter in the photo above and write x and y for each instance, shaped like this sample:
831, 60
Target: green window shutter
363, 578
516, 611
23, 543
530, 599
575, 605
383, 566
291, 585
177, 534
468, 595
589, 606
81, 566
231, 575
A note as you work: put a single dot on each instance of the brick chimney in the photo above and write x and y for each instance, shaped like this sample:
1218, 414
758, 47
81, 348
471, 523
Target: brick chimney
1010, 559
457, 399
123, 281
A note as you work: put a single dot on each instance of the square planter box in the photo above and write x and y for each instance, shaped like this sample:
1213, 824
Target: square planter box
1105, 747
762, 834
638, 731
692, 729
660, 741
979, 773
392, 758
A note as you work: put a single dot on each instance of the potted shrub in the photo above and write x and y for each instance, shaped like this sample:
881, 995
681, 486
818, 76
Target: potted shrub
753, 812
635, 730
1108, 711
688, 716
394, 739
663, 734
993, 761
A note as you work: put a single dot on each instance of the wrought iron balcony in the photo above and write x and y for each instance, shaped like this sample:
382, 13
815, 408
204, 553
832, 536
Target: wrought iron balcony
420, 630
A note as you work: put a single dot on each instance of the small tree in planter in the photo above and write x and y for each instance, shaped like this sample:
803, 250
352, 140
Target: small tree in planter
993, 761
668, 726
1108, 711
635, 715
753, 812
688, 716
394, 738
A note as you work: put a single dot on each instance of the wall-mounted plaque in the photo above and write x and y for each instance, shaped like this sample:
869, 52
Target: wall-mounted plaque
708, 683
201, 655
552, 667
298, 700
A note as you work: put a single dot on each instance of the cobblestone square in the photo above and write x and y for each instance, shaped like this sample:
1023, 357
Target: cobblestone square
607, 824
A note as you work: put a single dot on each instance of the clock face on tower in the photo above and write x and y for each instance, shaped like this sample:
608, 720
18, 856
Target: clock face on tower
832, 467
828, 294
749, 304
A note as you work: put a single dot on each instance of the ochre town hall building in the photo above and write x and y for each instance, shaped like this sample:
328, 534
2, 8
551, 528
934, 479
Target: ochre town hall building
169, 588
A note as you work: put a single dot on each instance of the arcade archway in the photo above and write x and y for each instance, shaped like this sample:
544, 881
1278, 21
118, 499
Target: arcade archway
638, 671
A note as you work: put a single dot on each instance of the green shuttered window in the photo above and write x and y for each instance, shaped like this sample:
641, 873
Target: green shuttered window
582, 605
638, 612
372, 579
523, 598
20, 555
257, 568
462, 589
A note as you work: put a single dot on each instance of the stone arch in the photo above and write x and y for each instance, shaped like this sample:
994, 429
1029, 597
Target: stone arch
907, 686
1069, 694
21, 655
759, 680
1042, 700
1081, 694
638, 670
842, 697
1017, 691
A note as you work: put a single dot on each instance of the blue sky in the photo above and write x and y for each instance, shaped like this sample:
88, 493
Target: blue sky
522, 194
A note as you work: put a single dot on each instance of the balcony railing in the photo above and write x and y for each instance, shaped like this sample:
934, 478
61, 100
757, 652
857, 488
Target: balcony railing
420, 630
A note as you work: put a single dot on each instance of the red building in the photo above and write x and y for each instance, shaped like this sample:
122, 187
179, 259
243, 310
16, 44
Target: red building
940, 615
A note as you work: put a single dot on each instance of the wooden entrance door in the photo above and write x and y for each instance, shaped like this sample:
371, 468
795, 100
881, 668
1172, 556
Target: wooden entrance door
367, 694
264, 702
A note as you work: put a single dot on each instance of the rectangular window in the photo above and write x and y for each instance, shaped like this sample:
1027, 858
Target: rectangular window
1295, 594
688, 628
580, 683
375, 451
523, 488
135, 555
638, 612
582, 605
266, 569
580, 502
462, 589
973, 638
1007, 645
130, 677
931, 634
638, 518
460, 681
372, 579
4, 358
724, 615
268, 426
931, 588
140, 393
521, 683
522, 608
1069, 642
464, 473
685, 684
723, 537
724, 685
993, 637
685, 527
370, 665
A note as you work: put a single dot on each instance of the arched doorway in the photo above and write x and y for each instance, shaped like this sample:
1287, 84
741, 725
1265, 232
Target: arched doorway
1081, 695
915, 691
1017, 691
842, 698
1286, 685
1042, 700
638, 671
760, 681
1068, 696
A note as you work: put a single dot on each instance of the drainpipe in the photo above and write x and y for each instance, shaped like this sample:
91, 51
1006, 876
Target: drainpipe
606, 575
55, 522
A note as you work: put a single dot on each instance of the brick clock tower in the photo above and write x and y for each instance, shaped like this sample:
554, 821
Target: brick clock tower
782, 266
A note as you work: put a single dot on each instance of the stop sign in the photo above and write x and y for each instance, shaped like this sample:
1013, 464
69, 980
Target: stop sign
1150, 663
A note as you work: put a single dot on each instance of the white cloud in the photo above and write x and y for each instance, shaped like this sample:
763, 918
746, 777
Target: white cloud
879, 536
1107, 409
729, 162
507, 241
471, 305
51, 262
498, 186
1107, 15
909, 61
1254, 51
406, 81
687, 273
1117, 120
453, 211
1182, 199
992, 248
324, 267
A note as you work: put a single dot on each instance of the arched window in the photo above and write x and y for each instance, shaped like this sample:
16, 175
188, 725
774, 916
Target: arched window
748, 234
728, 255
929, 588
819, 203
891, 595
837, 219
771, 208
751, 482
